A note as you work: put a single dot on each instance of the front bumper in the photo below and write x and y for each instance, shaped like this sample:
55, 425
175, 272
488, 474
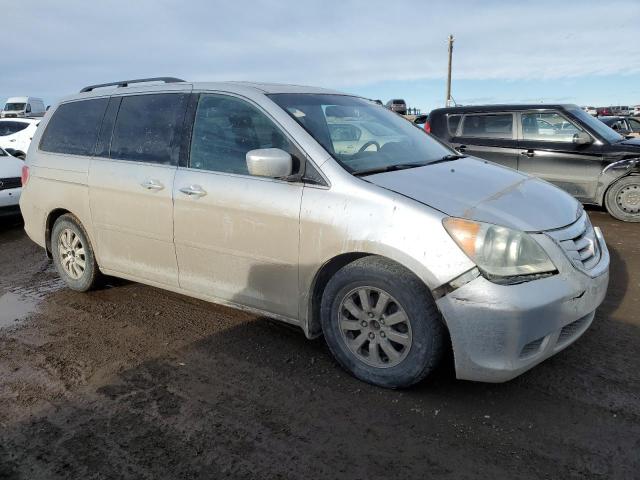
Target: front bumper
9, 200
500, 331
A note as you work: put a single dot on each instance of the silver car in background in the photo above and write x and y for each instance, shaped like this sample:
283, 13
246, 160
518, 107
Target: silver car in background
323, 210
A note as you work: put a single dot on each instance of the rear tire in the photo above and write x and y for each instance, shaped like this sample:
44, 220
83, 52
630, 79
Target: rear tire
623, 199
73, 255
381, 323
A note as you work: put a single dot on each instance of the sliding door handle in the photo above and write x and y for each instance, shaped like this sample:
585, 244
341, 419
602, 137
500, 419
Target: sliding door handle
152, 184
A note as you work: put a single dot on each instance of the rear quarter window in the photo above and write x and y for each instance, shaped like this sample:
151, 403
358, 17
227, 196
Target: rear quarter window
452, 124
73, 129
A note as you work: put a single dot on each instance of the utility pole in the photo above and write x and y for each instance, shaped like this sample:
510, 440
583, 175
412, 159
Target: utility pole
448, 99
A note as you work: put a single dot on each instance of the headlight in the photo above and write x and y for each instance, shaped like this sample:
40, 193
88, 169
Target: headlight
499, 251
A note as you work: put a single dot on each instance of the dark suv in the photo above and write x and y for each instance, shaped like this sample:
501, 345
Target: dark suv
559, 143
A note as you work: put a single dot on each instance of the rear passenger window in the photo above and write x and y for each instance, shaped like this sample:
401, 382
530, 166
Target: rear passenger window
488, 126
73, 129
225, 129
148, 128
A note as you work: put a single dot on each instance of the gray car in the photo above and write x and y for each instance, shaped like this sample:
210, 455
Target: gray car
320, 209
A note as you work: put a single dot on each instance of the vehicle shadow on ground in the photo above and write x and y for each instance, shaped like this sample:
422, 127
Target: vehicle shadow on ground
618, 284
7, 224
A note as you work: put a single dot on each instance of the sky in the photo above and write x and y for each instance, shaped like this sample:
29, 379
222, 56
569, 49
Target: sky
582, 52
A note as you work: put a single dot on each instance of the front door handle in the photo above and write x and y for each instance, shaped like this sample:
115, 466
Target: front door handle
152, 184
193, 191
528, 153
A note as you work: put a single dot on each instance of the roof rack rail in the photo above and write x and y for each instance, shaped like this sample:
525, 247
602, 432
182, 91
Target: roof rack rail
125, 83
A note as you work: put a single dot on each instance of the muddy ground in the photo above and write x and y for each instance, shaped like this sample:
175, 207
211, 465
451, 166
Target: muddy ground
134, 382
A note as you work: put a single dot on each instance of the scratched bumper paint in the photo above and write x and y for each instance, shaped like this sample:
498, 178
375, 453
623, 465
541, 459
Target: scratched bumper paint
500, 331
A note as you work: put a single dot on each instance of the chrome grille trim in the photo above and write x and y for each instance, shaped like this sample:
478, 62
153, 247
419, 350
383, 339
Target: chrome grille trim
579, 243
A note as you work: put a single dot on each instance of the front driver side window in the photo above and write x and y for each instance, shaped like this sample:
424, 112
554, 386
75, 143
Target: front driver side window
225, 129
547, 126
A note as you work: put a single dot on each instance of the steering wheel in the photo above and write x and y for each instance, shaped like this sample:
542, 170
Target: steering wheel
368, 144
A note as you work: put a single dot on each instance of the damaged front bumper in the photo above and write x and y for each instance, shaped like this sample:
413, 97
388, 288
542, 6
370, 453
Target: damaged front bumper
500, 331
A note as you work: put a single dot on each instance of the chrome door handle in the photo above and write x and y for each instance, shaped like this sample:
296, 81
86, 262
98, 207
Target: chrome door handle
152, 184
193, 191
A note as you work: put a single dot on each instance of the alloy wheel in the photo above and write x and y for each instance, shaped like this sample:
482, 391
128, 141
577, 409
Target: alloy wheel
72, 254
375, 327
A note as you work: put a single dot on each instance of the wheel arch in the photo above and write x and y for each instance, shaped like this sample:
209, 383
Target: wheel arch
50, 221
323, 275
318, 284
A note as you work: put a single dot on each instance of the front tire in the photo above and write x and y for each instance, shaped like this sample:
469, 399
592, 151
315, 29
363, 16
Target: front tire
73, 255
623, 199
381, 323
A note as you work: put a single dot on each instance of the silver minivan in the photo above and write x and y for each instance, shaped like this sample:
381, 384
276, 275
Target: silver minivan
323, 210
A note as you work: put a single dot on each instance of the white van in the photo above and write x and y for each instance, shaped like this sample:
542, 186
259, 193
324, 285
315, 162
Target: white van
23, 107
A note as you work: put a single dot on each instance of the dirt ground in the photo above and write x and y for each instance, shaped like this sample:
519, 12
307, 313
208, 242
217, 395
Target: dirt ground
134, 382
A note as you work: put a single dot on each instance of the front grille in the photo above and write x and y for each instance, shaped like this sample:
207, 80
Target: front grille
579, 242
7, 183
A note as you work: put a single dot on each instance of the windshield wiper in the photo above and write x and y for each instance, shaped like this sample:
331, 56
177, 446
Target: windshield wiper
448, 158
388, 168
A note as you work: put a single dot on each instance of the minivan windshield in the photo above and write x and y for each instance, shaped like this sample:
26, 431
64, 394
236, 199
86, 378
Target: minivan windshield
14, 107
361, 135
596, 125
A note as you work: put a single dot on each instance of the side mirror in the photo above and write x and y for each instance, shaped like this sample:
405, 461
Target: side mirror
582, 138
269, 162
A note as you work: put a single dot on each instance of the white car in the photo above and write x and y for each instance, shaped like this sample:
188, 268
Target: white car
591, 111
10, 183
16, 135
636, 111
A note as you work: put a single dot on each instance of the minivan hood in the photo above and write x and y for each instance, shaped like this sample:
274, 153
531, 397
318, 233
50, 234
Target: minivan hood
483, 191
